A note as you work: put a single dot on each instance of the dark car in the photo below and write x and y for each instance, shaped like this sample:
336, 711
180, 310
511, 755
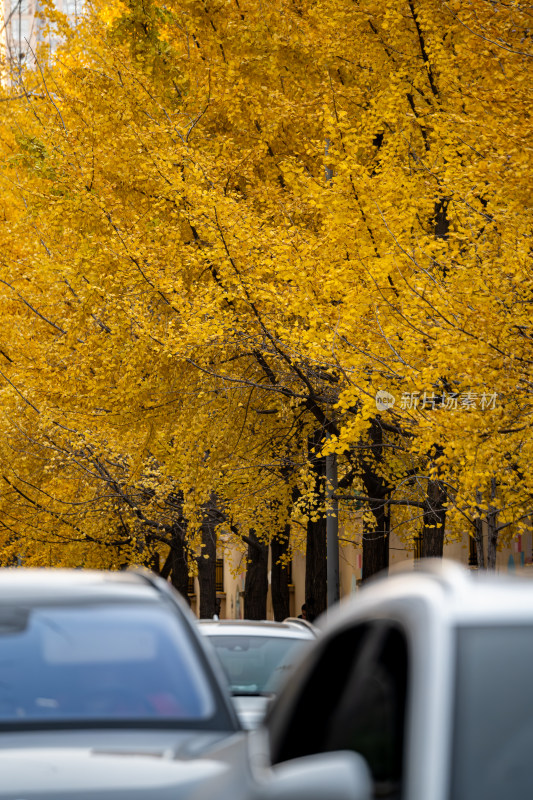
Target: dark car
106, 690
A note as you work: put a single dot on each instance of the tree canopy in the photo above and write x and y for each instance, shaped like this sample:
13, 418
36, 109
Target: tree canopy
230, 229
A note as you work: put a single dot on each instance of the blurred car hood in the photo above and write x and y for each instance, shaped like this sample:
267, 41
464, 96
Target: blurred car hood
109, 765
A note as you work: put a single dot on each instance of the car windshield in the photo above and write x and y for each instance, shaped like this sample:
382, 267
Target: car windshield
104, 661
493, 731
257, 664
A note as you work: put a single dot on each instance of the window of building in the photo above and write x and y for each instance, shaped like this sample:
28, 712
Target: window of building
219, 577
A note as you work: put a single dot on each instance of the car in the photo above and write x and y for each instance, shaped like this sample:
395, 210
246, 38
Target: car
302, 622
106, 689
256, 657
417, 688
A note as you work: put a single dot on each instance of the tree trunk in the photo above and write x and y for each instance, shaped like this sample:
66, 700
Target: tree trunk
492, 529
316, 575
478, 538
434, 520
280, 575
256, 582
177, 564
151, 560
492, 538
376, 544
478, 535
316, 598
376, 538
207, 565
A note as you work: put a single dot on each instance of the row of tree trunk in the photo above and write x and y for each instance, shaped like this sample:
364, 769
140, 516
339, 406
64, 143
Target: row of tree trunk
375, 546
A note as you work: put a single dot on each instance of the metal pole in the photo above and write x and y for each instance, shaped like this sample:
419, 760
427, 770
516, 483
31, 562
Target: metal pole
332, 531
332, 519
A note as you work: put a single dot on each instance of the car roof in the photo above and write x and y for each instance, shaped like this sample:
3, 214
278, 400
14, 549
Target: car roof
448, 590
248, 627
42, 585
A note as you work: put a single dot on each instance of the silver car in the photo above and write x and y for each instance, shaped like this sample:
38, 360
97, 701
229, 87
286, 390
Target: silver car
106, 690
257, 657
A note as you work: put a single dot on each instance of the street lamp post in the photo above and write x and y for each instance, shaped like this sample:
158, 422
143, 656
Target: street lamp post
332, 519
332, 530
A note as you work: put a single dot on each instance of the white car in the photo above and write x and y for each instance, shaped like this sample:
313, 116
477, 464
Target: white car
256, 657
418, 688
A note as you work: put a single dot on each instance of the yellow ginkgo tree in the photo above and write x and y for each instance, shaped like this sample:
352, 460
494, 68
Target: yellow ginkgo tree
239, 237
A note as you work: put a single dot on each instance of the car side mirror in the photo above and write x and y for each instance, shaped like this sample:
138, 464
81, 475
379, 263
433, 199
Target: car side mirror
335, 776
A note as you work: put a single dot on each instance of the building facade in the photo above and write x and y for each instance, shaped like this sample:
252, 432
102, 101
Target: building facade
24, 29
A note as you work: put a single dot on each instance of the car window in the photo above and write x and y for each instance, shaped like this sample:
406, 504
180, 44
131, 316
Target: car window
354, 698
298, 725
257, 664
104, 661
370, 715
493, 719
